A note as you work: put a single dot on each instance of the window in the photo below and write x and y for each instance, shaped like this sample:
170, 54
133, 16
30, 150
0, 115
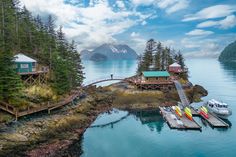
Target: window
33, 65
24, 66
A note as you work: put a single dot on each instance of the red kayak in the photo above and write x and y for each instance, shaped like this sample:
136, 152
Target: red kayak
204, 114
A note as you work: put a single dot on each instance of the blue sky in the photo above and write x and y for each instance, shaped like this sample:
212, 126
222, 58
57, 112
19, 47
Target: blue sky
199, 28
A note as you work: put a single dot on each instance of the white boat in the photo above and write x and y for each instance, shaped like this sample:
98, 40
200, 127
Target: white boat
220, 109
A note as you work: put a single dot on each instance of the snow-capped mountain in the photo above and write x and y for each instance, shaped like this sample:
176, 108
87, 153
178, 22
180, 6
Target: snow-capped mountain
109, 52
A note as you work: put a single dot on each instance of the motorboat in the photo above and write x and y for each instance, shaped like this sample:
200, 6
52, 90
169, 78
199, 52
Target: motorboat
220, 109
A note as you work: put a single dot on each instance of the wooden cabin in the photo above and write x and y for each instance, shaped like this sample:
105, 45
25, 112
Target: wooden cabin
30, 71
24, 64
175, 68
155, 76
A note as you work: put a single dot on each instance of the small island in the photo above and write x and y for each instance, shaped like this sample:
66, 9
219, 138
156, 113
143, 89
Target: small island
45, 108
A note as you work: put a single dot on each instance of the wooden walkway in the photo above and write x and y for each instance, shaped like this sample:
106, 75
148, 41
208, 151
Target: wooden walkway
14, 111
178, 123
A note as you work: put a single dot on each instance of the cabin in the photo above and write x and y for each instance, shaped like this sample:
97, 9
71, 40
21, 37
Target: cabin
154, 80
155, 76
24, 64
30, 71
175, 68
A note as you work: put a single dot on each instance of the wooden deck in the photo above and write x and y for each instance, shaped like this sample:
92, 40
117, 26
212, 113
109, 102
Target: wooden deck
215, 121
14, 111
179, 123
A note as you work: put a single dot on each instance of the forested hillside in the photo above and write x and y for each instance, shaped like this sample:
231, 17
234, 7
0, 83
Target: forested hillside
20, 32
229, 53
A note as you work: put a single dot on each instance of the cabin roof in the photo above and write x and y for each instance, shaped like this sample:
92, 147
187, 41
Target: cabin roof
175, 65
23, 58
155, 74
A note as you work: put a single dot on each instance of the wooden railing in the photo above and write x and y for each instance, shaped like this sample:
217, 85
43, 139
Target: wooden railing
30, 110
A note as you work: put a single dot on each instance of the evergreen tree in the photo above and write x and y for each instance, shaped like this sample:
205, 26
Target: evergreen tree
10, 83
157, 57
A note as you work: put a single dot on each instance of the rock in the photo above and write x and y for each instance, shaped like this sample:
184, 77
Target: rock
199, 90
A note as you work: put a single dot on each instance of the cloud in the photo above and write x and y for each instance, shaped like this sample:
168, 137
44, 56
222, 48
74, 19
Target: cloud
212, 12
170, 6
89, 26
228, 22
199, 32
205, 47
120, 4
179, 5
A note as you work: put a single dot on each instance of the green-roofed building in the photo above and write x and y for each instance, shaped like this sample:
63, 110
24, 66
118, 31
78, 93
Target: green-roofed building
152, 76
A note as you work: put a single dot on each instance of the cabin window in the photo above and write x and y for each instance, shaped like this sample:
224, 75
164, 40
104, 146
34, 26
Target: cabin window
24, 66
33, 65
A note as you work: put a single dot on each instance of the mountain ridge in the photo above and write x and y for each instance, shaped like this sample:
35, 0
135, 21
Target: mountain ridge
109, 52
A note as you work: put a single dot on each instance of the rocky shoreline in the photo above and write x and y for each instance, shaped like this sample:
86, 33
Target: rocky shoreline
59, 134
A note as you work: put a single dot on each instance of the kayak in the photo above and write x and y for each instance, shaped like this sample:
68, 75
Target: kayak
188, 113
178, 111
204, 112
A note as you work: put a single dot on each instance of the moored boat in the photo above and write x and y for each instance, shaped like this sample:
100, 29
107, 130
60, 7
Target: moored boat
220, 109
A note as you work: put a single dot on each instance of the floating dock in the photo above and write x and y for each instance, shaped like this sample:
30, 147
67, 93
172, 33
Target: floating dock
175, 122
215, 121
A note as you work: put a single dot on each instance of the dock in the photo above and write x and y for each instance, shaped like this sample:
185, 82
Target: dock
215, 121
180, 123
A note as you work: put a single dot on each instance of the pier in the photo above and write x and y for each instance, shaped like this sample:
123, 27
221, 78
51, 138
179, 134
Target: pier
215, 121
175, 122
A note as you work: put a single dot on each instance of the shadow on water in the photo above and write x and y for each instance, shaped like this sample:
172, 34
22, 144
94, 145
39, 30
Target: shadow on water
229, 68
152, 119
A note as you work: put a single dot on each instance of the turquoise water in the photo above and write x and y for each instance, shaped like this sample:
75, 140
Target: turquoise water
146, 134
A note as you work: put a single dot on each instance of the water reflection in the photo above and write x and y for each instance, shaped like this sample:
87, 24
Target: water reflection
152, 119
229, 68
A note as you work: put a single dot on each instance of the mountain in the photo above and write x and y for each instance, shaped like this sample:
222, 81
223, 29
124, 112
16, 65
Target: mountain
229, 53
109, 52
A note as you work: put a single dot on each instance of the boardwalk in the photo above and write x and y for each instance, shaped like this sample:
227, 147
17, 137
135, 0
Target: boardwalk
14, 111
182, 96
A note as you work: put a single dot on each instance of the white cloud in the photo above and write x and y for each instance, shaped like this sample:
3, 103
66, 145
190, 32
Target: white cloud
120, 4
89, 26
215, 11
228, 22
144, 23
134, 34
142, 2
199, 32
179, 5
170, 6
205, 47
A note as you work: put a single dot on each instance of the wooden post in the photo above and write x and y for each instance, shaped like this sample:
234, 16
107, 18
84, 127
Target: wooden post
16, 114
48, 108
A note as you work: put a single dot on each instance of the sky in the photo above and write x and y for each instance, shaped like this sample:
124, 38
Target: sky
198, 28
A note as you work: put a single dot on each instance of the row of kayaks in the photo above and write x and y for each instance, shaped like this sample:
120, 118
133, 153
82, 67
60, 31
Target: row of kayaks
188, 113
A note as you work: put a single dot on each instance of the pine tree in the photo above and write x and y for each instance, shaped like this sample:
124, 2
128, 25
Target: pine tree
10, 83
77, 75
157, 57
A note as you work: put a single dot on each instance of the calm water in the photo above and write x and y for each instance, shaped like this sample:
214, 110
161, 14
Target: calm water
145, 134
